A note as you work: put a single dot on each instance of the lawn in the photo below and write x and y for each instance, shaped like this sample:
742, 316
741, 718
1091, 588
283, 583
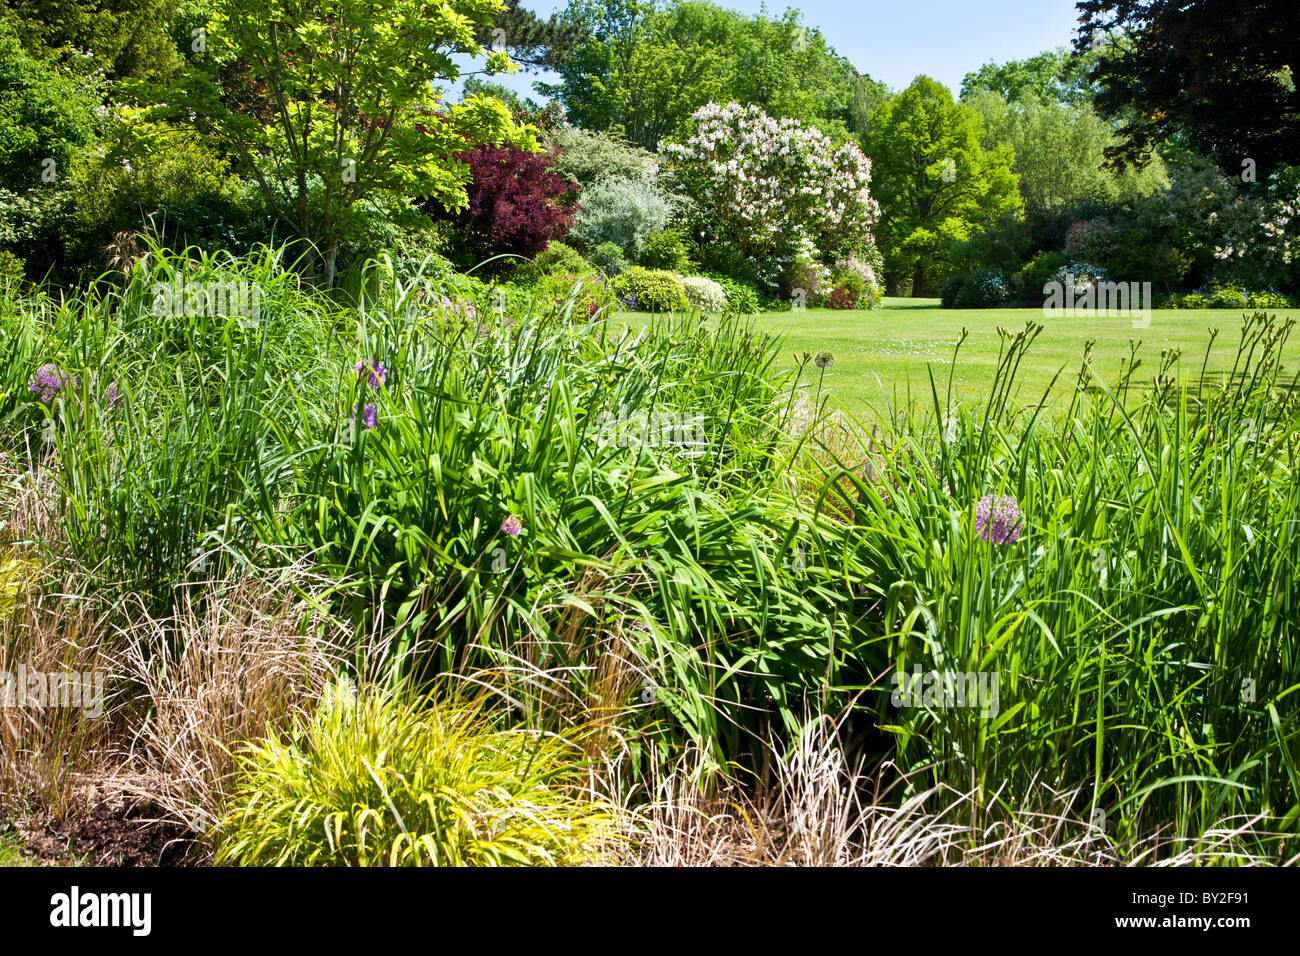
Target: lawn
880, 354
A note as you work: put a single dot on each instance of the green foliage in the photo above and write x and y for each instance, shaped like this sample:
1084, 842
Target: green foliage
1183, 75
608, 258
533, 42
1054, 76
951, 290
1060, 151
121, 39
1228, 295
557, 257
621, 211
933, 179
742, 298
1041, 270
655, 290
1143, 644
11, 267
483, 517
380, 779
320, 155
142, 169
47, 116
666, 249
644, 68
580, 295
586, 157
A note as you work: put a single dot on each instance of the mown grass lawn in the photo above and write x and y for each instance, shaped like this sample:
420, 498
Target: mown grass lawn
880, 354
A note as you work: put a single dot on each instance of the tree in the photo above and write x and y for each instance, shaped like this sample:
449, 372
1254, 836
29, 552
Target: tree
329, 102
640, 70
1060, 151
772, 190
645, 68
1218, 75
124, 38
867, 95
516, 204
791, 72
1054, 76
47, 115
534, 43
934, 181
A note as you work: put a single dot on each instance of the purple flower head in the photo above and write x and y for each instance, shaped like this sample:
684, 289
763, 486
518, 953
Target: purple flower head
377, 373
512, 525
47, 382
111, 395
369, 417
998, 519
824, 360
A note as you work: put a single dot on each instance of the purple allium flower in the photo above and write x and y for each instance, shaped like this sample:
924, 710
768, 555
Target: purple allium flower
824, 360
998, 519
47, 382
512, 525
378, 374
369, 417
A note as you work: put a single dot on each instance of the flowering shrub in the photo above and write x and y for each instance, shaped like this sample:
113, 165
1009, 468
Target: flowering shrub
842, 297
851, 265
704, 294
1260, 243
806, 277
653, 290
983, 288
1080, 275
763, 185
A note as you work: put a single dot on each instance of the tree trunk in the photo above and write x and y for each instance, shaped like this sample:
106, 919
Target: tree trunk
918, 280
331, 254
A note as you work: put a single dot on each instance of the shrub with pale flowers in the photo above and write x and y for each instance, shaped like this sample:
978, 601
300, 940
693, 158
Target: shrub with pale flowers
765, 186
704, 294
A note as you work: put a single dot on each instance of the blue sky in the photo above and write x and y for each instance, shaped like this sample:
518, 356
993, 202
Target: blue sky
894, 40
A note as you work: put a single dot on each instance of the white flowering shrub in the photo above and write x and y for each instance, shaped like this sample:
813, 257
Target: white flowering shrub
765, 186
704, 294
621, 211
1081, 274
